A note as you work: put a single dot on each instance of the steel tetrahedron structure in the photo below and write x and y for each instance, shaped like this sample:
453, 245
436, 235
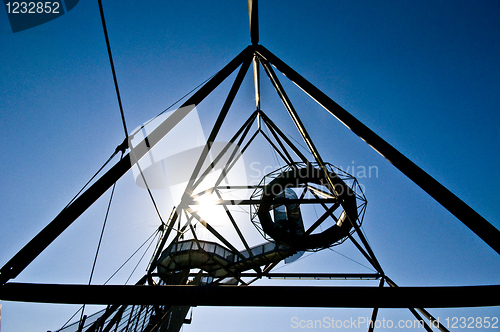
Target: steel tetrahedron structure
190, 269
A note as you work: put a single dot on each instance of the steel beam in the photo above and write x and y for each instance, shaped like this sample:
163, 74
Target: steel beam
316, 276
233, 158
475, 222
375, 311
420, 320
273, 127
323, 217
276, 137
256, 79
421, 309
235, 225
287, 161
253, 15
364, 253
275, 201
67, 216
216, 234
163, 240
257, 296
244, 128
215, 130
296, 120
369, 250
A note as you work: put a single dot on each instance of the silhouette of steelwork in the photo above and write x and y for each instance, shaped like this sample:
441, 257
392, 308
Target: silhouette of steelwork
189, 271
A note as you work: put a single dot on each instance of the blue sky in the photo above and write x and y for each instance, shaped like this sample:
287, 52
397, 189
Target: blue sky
423, 75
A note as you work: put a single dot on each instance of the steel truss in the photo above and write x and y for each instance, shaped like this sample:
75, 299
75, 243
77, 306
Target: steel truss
148, 293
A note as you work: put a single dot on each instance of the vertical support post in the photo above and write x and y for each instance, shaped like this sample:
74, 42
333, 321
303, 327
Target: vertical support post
256, 79
253, 15
81, 323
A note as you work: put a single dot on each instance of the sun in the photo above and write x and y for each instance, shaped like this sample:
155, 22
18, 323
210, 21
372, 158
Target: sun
207, 206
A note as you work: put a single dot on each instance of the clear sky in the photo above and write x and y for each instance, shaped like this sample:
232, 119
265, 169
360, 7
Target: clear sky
424, 75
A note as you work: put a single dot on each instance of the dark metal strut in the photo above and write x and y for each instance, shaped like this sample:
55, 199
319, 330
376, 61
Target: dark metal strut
486, 231
67, 216
257, 296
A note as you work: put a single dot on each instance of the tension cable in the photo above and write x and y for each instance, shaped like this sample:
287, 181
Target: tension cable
112, 67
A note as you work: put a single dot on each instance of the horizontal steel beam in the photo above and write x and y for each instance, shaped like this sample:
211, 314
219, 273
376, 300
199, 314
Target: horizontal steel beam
259, 201
316, 276
305, 276
257, 296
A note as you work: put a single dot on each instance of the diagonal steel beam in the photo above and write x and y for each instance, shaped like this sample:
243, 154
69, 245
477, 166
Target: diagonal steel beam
281, 145
67, 216
326, 214
375, 311
243, 129
163, 241
273, 127
296, 120
287, 161
235, 225
421, 309
473, 220
369, 250
235, 154
215, 233
420, 320
218, 124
